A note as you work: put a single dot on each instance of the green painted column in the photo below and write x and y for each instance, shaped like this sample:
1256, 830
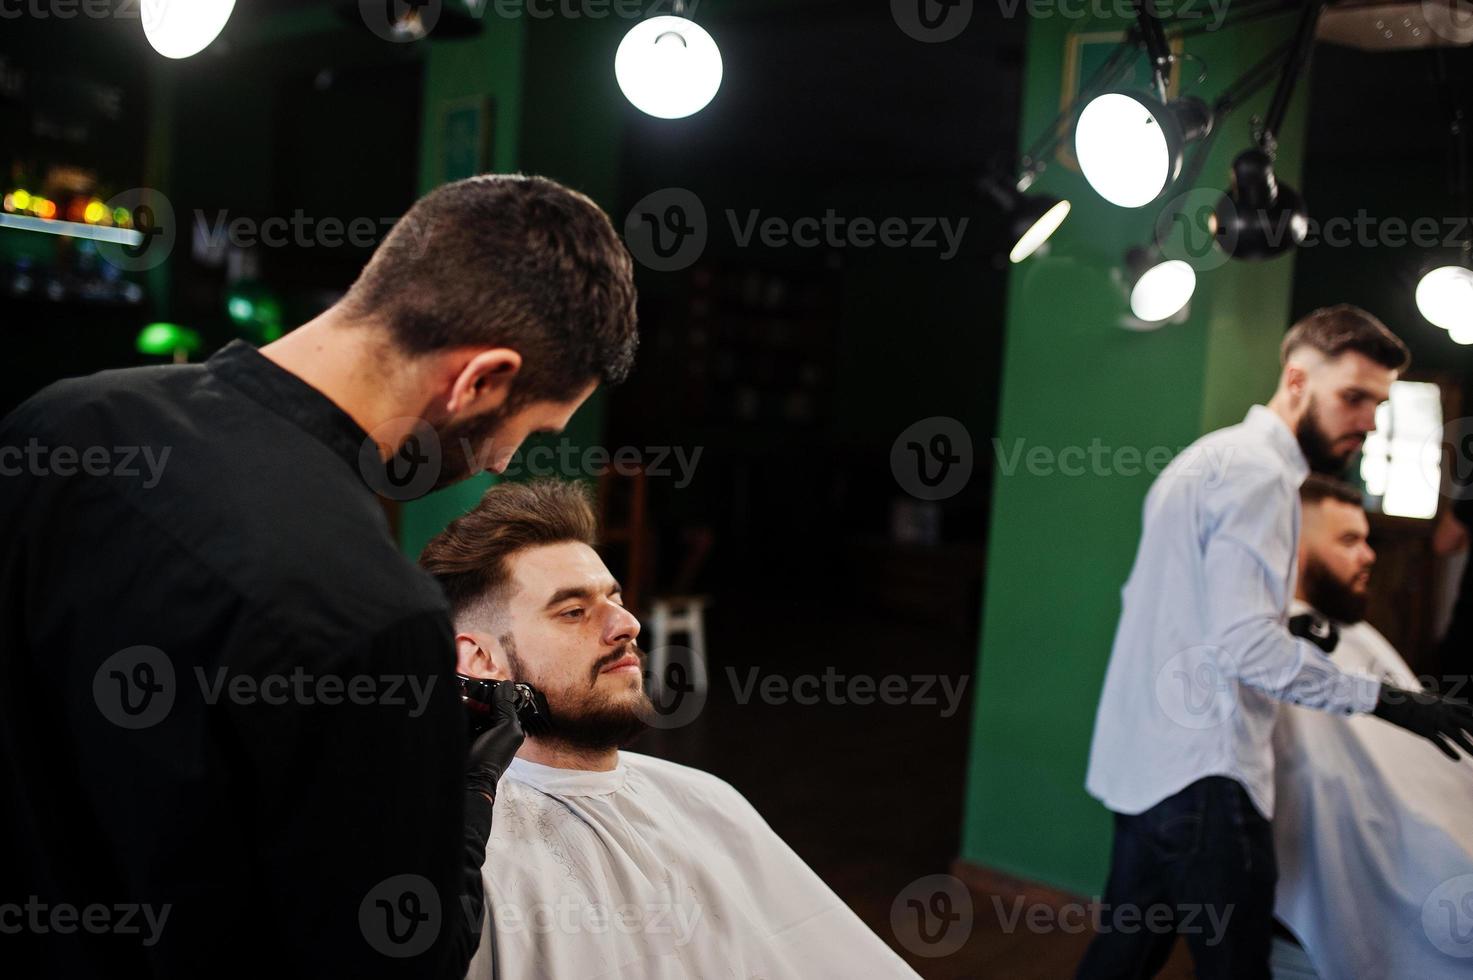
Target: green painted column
482, 72
558, 113
1116, 403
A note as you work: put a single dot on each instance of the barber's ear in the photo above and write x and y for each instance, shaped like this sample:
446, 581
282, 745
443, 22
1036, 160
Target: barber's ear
483, 382
476, 656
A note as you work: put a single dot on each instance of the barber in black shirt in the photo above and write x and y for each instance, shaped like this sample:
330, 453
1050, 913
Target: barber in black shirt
230, 744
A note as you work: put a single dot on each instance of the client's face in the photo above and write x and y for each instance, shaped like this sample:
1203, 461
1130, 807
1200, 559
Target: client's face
568, 634
1336, 559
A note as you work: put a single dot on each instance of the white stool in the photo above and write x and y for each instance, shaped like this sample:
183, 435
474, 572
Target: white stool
678, 614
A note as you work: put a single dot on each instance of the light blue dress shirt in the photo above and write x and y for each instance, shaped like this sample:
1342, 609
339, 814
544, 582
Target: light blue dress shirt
1202, 655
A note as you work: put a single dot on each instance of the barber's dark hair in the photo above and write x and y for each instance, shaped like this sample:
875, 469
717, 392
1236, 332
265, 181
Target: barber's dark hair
1333, 330
511, 261
468, 558
1318, 487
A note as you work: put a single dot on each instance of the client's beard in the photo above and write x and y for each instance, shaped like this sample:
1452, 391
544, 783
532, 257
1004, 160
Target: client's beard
1316, 445
591, 721
1329, 595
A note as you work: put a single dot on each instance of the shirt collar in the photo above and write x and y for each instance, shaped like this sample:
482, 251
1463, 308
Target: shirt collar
567, 782
1285, 445
247, 369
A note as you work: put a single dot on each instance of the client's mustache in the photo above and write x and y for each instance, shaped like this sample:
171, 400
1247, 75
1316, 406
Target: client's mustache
613, 657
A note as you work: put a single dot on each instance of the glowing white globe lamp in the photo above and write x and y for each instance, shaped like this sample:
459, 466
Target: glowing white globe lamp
668, 67
183, 28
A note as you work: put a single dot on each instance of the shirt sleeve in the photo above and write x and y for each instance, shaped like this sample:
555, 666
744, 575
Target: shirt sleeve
1249, 551
357, 783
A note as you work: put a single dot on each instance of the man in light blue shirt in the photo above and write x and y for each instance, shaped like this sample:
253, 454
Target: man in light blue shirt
1182, 750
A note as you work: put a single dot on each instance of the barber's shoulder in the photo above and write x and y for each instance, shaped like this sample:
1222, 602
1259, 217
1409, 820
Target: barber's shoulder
94, 403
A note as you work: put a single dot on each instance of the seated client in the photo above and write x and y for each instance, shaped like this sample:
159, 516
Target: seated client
1374, 842
601, 862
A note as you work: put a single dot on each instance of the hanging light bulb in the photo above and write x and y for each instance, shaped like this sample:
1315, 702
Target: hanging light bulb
1034, 223
668, 67
182, 29
1130, 147
1445, 298
1032, 218
1160, 288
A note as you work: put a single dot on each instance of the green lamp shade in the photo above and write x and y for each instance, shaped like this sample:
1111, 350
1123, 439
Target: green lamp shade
167, 339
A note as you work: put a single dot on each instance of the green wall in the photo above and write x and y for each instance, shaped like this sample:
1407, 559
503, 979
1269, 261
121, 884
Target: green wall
1061, 546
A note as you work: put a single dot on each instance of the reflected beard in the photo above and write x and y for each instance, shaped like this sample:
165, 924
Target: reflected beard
589, 720
1329, 595
1316, 446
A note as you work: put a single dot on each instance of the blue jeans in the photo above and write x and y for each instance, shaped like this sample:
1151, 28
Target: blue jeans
1199, 865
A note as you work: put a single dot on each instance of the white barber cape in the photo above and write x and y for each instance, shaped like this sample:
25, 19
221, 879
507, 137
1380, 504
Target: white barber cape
1374, 833
655, 871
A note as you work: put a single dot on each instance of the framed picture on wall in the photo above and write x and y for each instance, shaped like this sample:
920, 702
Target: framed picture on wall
467, 130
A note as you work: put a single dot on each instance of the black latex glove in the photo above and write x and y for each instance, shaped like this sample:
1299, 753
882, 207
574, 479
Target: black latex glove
493, 749
1438, 719
490, 754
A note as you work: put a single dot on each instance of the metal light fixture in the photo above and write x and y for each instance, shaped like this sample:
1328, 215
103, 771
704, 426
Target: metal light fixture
1258, 218
1160, 288
1130, 146
1032, 218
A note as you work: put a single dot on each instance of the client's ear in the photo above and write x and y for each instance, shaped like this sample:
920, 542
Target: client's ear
474, 657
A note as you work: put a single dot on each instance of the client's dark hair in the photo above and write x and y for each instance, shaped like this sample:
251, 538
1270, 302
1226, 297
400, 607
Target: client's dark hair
468, 558
511, 261
1333, 330
1317, 487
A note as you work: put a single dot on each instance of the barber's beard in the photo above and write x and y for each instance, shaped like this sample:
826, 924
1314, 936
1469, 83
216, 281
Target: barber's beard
582, 716
461, 445
1316, 445
1329, 595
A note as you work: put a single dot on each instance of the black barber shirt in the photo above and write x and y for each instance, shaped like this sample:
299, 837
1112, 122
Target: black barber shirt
229, 741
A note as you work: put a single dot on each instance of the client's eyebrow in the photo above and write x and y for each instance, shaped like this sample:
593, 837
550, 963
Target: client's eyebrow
580, 592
